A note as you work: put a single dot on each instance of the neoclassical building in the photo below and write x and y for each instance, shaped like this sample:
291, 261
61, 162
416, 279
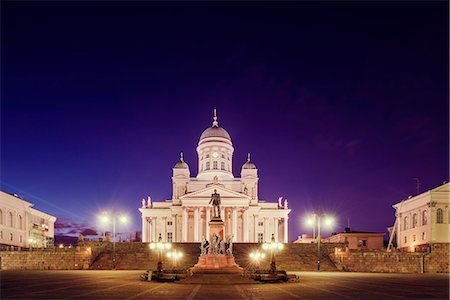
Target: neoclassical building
23, 226
423, 219
185, 217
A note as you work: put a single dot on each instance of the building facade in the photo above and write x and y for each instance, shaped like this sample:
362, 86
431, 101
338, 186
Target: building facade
358, 240
23, 226
185, 217
423, 219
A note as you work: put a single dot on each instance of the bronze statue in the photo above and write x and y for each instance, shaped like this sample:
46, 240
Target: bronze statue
215, 200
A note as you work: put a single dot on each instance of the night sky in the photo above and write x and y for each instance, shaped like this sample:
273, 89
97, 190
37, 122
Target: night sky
341, 104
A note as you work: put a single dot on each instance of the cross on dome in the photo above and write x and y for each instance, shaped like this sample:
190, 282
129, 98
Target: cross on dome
215, 123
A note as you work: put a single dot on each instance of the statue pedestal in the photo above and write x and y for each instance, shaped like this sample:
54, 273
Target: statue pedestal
216, 264
216, 226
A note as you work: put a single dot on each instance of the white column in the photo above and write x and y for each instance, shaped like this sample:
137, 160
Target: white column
245, 226
275, 228
144, 230
164, 235
174, 228
286, 229
255, 228
208, 218
266, 237
150, 230
234, 223
222, 215
155, 230
196, 224
184, 225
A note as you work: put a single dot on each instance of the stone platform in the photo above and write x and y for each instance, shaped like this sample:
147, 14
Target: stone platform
216, 264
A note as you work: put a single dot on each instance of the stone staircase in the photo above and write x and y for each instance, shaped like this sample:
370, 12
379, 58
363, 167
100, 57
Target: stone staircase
138, 256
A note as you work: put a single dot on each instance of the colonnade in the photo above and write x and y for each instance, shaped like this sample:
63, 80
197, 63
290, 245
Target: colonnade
199, 216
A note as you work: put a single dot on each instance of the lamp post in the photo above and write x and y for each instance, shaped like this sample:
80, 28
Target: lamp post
174, 256
160, 246
273, 247
315, 220
256, 257
105, 218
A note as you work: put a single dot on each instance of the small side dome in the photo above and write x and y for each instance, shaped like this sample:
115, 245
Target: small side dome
181, 164
249, 164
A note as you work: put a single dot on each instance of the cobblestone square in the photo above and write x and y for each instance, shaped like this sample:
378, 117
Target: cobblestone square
312, 285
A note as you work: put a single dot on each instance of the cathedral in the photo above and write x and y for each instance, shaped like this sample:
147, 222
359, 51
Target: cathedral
185, 217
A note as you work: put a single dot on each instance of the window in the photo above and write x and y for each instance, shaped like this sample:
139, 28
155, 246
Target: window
260, 237
11, 236
20, 239
414, 237
169, 237
169, 223
439, 216
362, 243
424, 236
223, 156
207, 165
228, 157
260, 223
405, 223
207, 155
11, 220
414, 224
406, 240
222, 166
215, 165
20, 222
424, 217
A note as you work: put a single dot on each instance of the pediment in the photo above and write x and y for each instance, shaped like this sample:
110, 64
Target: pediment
442, 188
206, 193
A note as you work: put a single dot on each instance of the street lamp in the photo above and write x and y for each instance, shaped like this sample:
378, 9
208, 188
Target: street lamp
273, 247
256, 257
315, 220
175, 256
105, 219
160, 246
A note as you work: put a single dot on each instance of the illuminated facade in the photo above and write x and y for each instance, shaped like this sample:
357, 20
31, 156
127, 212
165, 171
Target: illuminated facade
424, 219
185, 217
23, 226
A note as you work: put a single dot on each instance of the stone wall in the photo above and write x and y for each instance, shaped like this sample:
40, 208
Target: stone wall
438, 259
46, 259
434, 260
293, 257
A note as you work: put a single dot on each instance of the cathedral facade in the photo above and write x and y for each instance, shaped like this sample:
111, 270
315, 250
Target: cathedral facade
185, 217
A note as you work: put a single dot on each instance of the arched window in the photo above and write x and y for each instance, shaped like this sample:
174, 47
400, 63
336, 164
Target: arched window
1, 217
11, 219
414, 219
424, 217
405, 223
207, 165
439, 216
20, 222
222, 166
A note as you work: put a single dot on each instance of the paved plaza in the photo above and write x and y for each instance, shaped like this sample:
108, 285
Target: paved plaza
126, 285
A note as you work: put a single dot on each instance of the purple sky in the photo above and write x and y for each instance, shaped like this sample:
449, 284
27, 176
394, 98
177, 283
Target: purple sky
341, 104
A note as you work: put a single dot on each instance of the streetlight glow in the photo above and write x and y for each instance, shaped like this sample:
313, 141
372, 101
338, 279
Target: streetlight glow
123, 219
329, 221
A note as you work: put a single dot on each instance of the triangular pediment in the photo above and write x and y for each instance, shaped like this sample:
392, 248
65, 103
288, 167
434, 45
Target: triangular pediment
442, 188
206, 193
